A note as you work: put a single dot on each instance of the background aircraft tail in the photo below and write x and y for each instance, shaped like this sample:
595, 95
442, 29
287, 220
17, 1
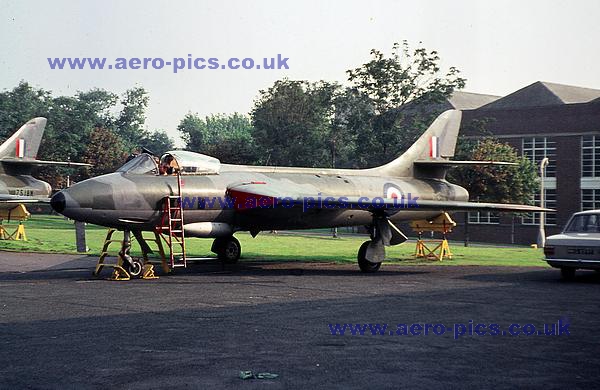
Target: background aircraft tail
24, 144
434, 146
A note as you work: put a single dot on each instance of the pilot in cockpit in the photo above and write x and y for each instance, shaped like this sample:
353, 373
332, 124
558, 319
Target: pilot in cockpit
168, 165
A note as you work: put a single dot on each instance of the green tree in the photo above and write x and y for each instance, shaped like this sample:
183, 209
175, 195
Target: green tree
503, 184
158, 142
353, 118
129, 124
292, 123
105, 151
71, 121
226, 137
402, 89
20, 105
403, 77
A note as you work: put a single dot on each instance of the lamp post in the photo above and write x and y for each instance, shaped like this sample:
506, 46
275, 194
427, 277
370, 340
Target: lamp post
541, 241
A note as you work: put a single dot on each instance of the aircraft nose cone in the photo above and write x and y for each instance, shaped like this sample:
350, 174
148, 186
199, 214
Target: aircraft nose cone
58, 202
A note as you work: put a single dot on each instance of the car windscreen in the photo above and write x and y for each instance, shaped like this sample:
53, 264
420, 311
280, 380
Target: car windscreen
140, 165
585, 223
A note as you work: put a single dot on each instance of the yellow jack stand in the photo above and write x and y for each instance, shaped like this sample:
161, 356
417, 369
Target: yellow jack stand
442, 224
3, 233
17, 213
442, 246
19, 234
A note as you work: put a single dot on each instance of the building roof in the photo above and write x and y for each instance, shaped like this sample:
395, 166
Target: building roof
542, 93
469, 101
459, 100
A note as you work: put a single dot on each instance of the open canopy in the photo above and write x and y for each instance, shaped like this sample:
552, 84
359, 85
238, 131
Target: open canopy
190, 163
187, 163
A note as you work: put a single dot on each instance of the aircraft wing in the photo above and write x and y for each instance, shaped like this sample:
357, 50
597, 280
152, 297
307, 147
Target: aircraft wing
453, 205
16, 161
261, 195
456, 163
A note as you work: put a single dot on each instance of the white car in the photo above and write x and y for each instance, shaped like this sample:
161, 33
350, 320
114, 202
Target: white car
578, 246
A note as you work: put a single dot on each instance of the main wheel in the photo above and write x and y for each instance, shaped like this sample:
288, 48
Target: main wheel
365, 265
567, 273
228, 249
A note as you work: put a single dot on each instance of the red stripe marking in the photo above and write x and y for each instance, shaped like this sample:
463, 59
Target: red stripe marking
431, 147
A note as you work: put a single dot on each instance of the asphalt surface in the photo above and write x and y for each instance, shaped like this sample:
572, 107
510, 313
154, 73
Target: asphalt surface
61, 328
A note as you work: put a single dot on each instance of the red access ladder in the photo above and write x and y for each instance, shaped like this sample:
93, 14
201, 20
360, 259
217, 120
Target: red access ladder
171, 227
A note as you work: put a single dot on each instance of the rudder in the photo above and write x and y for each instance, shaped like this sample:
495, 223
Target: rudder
436, 143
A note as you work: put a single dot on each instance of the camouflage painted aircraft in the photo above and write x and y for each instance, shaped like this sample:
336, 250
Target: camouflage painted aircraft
221, 199
17, 160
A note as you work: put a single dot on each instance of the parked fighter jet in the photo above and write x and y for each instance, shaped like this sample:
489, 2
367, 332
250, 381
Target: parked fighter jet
221, 199
17, 160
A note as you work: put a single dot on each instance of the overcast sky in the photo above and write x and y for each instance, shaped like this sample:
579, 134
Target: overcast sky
499, 46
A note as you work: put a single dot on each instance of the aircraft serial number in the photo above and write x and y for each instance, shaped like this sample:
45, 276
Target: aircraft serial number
22, 192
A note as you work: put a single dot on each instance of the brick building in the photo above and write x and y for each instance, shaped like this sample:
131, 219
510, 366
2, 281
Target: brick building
541, 120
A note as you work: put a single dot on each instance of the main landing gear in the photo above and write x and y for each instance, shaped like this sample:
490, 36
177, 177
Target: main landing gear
365, 265
383, 233
228, 249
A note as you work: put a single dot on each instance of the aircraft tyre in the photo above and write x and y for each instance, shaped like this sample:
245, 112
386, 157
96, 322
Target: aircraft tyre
135, 270
365, 265
228, 249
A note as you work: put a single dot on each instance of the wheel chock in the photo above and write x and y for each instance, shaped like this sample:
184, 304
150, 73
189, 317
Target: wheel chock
148, 272
119, 273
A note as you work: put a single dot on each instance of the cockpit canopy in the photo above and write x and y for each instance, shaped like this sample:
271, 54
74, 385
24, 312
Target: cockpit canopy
191, 163
143, 164
187, 163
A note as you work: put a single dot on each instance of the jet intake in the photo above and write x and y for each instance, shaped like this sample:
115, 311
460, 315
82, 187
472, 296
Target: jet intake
208, 229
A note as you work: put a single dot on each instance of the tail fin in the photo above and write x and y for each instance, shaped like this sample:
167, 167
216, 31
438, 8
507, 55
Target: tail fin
437, 143
24, 144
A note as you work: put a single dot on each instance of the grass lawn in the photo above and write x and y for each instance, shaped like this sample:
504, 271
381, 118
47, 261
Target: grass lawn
54, 234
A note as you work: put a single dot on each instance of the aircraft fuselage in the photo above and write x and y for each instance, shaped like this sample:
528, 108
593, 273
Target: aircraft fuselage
22, 186
134, 201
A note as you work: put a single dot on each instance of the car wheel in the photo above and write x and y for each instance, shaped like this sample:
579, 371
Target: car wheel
567, 273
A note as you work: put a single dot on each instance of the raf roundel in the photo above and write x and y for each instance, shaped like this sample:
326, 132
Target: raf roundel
390, 191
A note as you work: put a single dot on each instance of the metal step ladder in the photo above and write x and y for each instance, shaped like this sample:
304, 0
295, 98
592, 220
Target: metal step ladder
171, 227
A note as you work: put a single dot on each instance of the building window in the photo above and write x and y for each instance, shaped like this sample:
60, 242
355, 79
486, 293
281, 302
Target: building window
549, 202
537, 148
483, 218
590, 156
590, 199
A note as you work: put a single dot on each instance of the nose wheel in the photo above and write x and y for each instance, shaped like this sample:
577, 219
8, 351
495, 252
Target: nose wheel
135, 267
228, 249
